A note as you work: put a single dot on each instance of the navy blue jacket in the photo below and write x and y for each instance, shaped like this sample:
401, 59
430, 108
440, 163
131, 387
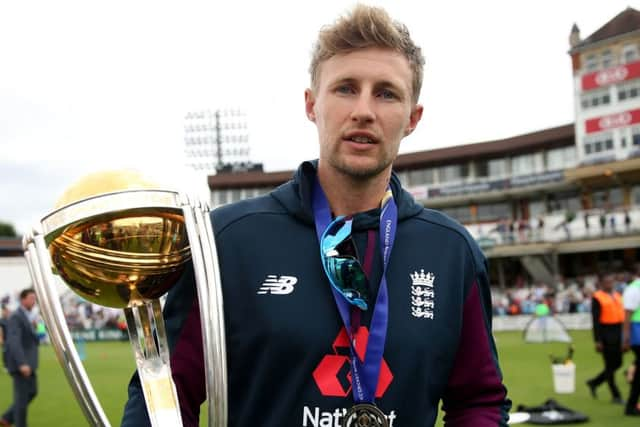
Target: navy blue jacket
21, 343
3, 325
287, 350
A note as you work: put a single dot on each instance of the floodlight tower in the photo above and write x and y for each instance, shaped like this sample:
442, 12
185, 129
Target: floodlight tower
214, 139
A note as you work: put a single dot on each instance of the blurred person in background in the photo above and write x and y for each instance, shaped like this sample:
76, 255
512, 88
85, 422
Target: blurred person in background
607, 312
603, 222
621, 280
586, 222
631, 339
4, 320
21, 359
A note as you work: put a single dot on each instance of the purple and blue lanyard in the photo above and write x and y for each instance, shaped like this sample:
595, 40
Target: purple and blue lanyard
365, 373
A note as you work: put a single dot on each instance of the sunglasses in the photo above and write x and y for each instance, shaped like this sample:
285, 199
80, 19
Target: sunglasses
340, 262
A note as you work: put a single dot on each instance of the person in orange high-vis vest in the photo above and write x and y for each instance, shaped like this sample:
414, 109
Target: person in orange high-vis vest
608, 314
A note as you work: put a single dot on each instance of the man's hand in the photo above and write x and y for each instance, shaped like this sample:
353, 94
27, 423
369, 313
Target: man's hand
599, 346
25, 370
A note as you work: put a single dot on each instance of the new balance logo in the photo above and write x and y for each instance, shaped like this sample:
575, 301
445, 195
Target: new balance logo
277, 285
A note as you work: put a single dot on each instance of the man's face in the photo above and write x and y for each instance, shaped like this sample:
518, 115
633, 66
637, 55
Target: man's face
608, 283
362, 107
29, 301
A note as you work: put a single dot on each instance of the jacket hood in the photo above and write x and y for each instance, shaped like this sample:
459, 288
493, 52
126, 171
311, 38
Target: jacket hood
295, 197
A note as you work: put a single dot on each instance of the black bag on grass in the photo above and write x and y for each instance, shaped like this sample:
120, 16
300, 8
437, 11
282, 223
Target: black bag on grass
550, 412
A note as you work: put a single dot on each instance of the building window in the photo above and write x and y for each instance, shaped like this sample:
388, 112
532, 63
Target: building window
570, 156
629, 53
223, 197
493, 211
555, 159
635, 135
485, 212
565, 201
591, 64
482, 168
461, 214
537, 207
403, 176
635, 195
629, 90
599, 143
607, 59
421, 177
527, 164
452, 173
561, 158
497, 168
607, 198
597, 147
595, 98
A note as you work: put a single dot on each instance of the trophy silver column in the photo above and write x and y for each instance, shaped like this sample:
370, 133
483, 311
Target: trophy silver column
125, 249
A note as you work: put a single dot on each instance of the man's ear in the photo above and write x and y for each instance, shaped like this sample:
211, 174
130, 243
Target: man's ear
309, 103
414, 119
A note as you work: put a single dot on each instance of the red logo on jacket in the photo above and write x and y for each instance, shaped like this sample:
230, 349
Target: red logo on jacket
333, 373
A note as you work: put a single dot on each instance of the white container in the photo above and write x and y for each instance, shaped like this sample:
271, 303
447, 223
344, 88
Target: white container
564, 378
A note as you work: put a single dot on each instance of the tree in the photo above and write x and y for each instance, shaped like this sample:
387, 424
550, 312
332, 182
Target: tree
7, 230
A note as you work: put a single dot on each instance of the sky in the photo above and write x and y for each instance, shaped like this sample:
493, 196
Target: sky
88, 86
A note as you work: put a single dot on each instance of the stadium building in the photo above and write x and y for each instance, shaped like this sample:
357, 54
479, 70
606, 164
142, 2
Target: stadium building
13, 268
556, 202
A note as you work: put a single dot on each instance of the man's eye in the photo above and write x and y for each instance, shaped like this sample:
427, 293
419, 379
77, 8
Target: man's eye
387, 94
344, 89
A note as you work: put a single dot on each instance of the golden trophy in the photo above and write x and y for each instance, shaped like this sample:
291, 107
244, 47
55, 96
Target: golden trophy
119, 241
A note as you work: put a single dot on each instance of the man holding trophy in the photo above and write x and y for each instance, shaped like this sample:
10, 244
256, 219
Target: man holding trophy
345, 302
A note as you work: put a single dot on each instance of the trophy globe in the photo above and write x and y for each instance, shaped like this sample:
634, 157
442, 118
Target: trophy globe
116, 257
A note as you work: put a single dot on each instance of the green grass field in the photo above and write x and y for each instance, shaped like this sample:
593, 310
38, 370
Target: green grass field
526, 369
527, 374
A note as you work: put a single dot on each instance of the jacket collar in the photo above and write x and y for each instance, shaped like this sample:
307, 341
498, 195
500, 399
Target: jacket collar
296, 194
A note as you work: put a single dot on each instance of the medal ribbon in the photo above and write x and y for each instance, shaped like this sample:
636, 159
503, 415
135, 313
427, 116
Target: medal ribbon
364, 375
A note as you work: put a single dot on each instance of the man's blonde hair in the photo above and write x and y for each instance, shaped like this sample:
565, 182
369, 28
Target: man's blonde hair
364, 27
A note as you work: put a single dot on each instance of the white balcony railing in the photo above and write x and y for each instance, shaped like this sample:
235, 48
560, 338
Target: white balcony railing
558, 227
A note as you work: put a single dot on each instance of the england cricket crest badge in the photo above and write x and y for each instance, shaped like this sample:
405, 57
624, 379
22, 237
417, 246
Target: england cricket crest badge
422, 294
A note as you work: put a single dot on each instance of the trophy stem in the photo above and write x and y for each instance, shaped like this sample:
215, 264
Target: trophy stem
208, 282
148, 338
44, 282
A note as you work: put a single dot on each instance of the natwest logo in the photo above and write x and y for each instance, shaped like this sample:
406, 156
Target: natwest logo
333, 373
612, 75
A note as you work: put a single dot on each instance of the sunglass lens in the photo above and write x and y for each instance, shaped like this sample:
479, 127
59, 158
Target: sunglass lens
340, 258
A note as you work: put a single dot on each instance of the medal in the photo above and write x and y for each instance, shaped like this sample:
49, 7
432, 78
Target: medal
364, 415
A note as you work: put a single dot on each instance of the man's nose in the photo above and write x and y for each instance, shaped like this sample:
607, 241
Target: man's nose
363, 109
